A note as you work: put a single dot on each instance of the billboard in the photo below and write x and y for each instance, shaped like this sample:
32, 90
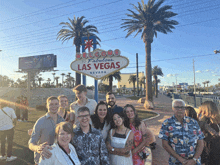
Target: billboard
46, 61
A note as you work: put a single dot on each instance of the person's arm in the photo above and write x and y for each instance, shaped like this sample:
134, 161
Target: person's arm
35, 136
14, 117
170, 150
49, 161
108, 145
147, 138
126, 150
104, 159
199, 149
208, 128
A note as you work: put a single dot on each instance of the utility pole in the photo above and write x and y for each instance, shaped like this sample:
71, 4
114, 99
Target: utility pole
176, 82
194, 84
137, 74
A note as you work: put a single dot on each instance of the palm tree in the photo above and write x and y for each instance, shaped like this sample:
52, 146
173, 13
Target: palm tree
141, 82
49, 80
57, 78
62, 74
132, 79
53, 77
39, 79
75, 30
204, 83
156, 71
149, 19
207, 82
116, 75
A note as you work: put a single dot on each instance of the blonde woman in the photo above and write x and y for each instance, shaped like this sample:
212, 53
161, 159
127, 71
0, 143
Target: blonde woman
209, 113
63, 152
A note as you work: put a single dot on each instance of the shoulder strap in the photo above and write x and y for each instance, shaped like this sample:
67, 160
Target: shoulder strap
128, 135
6, 114
66, 154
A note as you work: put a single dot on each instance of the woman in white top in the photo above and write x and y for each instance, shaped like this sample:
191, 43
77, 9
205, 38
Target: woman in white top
120, 142
63, 152
101, 119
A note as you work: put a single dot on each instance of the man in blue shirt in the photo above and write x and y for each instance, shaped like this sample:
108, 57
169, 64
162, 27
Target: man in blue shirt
182, 137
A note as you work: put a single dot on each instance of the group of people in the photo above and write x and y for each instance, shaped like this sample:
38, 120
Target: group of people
21, 109
192, 138
87, 133
90, 133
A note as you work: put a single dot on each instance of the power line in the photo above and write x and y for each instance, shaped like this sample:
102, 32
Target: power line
62, 15
110, 20
38, 12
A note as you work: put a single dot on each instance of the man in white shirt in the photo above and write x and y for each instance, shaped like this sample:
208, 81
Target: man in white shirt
7, 120
81, 91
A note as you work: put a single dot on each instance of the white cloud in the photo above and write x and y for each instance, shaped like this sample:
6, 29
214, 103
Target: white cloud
198, 71
169, 75
207, 70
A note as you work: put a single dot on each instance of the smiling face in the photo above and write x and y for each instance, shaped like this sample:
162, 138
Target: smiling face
63, 138
53, 106
81, 96
179, 109
130, 113
110, 100
102, 111
63, 102
84, 118
117, 120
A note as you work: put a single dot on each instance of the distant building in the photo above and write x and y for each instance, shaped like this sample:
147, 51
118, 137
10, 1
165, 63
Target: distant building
124, 81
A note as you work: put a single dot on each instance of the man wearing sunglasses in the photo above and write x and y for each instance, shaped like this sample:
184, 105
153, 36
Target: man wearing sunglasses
182, 137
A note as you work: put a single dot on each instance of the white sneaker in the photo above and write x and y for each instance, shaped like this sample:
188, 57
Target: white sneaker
2, 157
19, 119
11, 158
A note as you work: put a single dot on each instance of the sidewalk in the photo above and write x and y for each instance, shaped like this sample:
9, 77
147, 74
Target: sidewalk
163, 107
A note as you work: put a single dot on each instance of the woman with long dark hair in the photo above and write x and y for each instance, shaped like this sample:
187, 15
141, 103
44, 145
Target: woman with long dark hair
101, 119
120, 141
142, 135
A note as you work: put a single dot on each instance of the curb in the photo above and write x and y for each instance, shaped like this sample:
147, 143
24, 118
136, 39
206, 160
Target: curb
152, 117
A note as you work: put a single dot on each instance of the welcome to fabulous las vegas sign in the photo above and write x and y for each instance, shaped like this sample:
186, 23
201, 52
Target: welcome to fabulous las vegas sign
99, 63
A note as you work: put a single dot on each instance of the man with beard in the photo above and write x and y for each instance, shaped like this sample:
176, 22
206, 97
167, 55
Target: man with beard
182, 137
112, 107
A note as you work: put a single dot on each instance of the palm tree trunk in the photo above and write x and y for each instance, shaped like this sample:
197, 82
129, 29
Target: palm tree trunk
110, 83
134, 87
156, 86
78, 76
148, 71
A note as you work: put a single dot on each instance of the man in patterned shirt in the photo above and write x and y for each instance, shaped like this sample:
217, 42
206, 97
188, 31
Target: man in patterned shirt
182, 137
88, 142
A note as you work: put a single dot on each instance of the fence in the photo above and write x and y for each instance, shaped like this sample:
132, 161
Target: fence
196, 102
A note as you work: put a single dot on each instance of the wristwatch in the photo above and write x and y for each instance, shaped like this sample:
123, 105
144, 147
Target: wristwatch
196, 160
113, 149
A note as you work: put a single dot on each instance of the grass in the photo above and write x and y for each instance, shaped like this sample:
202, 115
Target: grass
134, 97
20, 142
21, 138
145, 114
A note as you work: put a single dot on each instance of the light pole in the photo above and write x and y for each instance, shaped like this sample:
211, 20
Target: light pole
1, 69
216, 51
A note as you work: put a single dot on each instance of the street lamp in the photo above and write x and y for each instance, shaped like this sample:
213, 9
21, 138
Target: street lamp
216, 51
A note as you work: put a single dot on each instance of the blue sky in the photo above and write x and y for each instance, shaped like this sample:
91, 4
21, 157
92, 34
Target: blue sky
29, 28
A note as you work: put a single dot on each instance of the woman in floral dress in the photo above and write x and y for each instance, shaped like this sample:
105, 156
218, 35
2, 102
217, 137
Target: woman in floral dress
142, 135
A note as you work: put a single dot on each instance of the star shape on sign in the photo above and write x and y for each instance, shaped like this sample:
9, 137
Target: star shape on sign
88, 44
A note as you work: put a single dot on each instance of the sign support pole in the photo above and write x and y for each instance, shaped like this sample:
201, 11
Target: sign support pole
84, 77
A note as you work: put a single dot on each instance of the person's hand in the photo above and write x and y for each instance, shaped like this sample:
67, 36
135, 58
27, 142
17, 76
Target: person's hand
30, 131
45, 153
128, 155
191, 162
134, 151
183, 161
41, 147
